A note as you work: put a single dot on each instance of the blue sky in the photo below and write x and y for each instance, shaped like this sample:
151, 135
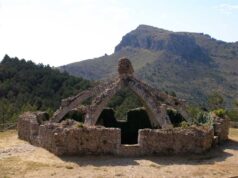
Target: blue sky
58, 32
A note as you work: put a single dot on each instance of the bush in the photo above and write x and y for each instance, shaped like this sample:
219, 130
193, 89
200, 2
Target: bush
80, 125
193, 111
203, 118
220, 112
233, 114
184, 124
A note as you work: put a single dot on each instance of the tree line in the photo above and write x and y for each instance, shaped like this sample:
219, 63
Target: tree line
26, 86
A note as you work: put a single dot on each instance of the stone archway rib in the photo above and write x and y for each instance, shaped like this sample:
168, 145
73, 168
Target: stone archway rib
157, 112
163, 98
100, 102
73, 102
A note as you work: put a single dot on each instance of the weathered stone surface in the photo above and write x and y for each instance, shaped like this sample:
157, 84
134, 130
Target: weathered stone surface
28, 125
73, 102
221, 128
177, 140
125, 68
100, 102
70, 138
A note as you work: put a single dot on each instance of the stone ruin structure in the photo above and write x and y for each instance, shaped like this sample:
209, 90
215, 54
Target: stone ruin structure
153, 134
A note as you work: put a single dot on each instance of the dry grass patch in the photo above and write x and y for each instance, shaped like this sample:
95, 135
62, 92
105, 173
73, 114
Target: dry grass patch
7, 134
16, 167
233, 132
41, 163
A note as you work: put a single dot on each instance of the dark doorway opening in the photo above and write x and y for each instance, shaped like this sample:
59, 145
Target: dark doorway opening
74, 115
136, 119
175, 117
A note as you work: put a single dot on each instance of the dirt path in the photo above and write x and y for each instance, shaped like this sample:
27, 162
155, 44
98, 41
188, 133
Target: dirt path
20, 159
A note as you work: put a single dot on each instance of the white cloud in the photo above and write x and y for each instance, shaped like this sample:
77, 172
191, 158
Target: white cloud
227, 8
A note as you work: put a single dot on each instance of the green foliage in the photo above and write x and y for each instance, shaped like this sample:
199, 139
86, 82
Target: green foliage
80, 125
220, 112
204, 118
184, 124
193, 111
123, 101
235, 103
172, 93
215, 100
25, 86
233, 114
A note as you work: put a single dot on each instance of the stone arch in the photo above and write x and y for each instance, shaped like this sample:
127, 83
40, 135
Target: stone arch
157, 114
73, 102
100, 102
155, 101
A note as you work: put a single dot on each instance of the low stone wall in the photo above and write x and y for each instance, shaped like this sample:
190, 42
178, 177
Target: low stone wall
71, 138
68, 137
78, 141
177, 140
28, 125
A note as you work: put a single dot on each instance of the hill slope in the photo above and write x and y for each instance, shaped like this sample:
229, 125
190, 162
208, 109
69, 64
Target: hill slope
26, 86
192, 64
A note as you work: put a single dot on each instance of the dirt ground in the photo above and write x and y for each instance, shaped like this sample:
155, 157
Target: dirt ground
20, 159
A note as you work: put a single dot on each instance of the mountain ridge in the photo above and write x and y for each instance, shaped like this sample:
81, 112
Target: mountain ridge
191, 64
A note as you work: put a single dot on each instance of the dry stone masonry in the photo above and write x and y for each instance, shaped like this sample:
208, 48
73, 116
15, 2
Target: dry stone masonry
69, 137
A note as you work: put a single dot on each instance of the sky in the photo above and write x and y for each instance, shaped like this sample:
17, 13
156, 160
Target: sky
58, 32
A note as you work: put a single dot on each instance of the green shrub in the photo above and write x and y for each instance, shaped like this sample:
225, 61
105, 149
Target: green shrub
193, 110
233, 114
215, 100
203, 118
80, 125
220, 112
184, 124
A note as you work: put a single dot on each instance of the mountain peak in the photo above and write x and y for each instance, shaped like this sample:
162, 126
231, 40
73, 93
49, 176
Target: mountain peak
156, 39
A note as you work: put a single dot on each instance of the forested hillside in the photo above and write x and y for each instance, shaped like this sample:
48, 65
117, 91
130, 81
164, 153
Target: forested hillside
26, 86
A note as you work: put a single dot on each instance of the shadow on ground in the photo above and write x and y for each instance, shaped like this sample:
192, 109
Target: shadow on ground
216, 154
